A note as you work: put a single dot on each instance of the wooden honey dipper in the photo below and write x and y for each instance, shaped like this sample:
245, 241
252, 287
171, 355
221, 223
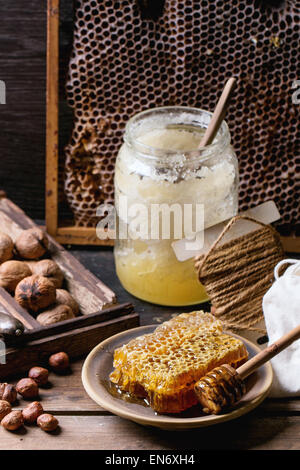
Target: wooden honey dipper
224, 386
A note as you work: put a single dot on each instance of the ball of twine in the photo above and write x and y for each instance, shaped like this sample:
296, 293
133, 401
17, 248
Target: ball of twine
238, 273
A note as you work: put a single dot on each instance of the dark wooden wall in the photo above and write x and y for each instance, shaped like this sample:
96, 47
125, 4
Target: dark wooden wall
22, 118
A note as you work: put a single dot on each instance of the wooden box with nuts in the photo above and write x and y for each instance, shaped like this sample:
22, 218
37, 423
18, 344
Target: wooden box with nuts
48, 300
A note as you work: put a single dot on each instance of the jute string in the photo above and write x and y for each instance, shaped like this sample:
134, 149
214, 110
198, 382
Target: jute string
238, 273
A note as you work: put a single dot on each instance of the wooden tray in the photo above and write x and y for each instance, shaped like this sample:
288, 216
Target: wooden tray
100, 316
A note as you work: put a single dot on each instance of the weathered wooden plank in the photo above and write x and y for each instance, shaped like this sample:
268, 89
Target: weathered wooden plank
91, 293
274, 425
75, 342
13, 308
75, 336
80, 236
109, 432
66, 394
81, 321
23, 68
279, 406
52, 116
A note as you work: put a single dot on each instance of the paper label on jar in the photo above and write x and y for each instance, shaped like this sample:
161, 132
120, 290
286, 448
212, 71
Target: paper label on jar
185, 249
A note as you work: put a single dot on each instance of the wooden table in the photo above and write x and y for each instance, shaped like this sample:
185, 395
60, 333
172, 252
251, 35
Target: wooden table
273, 425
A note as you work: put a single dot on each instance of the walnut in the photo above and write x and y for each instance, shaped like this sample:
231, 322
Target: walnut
13, 421
39, 375
32, 411
47, 422
5, 408
6, 247
59, 362
55, 315
50, 270
11, 273
35, 293
32, 243
28, 388
31, 264
63, 297
8, 392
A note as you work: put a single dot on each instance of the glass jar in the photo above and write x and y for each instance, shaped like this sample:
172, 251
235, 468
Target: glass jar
159, 164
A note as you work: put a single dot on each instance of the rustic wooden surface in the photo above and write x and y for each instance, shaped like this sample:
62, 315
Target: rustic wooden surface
84, 425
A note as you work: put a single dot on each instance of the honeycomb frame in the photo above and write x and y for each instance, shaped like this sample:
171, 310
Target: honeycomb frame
183, 57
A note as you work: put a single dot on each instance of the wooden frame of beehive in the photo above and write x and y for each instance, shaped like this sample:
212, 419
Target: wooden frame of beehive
67, 234
73, 234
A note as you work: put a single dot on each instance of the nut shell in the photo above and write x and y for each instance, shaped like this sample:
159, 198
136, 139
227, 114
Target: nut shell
47, 422
13, 420
32, 243
12, 272
55, 315
59, 362
28, 388
6, 247
50, 270
39, 375
35, 293
63, 297
32, 411
5, 408
31, 264
8, 392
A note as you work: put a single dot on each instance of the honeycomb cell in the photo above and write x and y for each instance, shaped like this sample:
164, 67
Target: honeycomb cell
165, 364
124, 60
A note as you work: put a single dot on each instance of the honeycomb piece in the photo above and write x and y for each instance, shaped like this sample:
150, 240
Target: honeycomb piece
164, 366
128, 57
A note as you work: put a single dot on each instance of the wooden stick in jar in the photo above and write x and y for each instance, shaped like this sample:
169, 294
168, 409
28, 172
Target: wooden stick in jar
219, 114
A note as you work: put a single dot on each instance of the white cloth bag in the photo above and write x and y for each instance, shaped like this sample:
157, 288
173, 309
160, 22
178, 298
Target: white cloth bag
281, 308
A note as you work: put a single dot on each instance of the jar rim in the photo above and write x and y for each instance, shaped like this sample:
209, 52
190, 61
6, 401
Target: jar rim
221, 140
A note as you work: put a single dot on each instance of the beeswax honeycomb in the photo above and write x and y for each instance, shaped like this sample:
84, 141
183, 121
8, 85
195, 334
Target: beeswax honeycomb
126, 59
164, 366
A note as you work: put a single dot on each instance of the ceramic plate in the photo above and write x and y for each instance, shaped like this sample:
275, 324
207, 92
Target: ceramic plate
99, 364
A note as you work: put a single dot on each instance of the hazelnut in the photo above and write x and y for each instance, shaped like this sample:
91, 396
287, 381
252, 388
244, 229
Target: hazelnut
63, 297
32, 243
47, 422
50, 270
6, 247
28, 388
8, 392
5, 408
11, 273
39, 375
59, 362
13, 420
35, 293
55, 315
32, 411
